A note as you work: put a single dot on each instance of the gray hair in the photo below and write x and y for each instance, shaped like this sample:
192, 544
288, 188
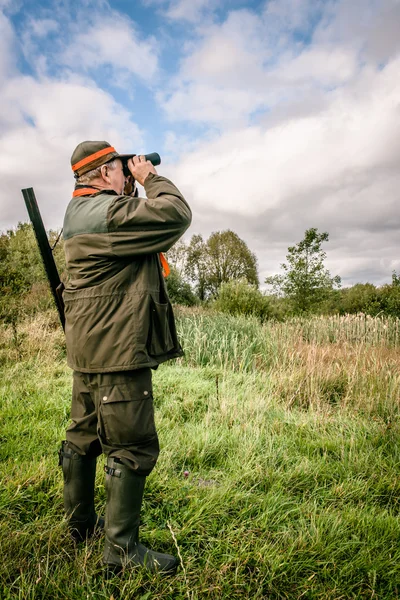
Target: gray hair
88, 177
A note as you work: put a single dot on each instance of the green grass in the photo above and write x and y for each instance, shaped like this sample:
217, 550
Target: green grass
293, 453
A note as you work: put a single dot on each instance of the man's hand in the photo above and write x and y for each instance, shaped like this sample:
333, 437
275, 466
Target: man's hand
130, 186
140, 168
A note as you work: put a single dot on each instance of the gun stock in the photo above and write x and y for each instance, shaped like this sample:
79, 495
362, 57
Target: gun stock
45, 251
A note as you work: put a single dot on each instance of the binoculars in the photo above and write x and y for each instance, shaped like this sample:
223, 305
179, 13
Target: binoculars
154, 158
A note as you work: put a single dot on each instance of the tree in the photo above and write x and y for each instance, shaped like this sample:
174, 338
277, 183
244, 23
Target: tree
389, 297
305, 281
196, 266
229, 258
179, 291
177, 256
222, 258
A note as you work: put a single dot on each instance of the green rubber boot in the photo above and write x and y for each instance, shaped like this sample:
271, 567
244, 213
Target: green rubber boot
79, 477
122, 548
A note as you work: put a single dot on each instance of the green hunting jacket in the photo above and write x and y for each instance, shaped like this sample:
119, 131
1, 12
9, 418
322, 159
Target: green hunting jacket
117, 313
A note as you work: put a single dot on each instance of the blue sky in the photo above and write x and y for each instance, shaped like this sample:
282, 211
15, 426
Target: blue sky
271, 116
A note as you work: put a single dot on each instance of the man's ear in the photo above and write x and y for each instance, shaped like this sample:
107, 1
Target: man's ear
104, 173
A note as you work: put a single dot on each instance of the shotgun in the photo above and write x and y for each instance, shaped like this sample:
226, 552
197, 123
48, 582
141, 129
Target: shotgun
46, 251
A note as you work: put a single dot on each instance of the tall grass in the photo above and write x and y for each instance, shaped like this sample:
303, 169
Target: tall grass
278, 476
355, 329
243, 343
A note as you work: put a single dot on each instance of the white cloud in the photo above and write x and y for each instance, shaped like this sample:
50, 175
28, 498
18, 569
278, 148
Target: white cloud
113, 41
325, 153
189, 10
336, 169
207, 104
223, 85
253, 62
228, 52
358, 131
43, 119
93, 37
321, 65
7, 44
222, 80
371, 26
42, 27
291, 15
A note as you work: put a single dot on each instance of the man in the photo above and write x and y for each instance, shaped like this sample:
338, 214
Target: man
119, 326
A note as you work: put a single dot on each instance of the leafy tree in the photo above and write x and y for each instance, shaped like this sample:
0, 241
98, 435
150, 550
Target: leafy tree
395, 279
196, 267
177, 257
179, 291
229, 258
305, 281
389, 296
222, 258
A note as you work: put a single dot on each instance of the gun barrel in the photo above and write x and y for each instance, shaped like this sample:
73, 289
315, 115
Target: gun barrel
44, 248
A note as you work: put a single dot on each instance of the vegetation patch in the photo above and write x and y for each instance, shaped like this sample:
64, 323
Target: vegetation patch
278, 475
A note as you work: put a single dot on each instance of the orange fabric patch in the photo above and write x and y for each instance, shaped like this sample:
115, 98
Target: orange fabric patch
84, 192
165, 265
92, 157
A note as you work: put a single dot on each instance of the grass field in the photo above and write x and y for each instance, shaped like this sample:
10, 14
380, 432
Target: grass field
291, 437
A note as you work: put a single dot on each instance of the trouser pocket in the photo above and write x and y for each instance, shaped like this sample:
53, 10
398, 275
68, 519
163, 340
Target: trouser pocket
126, 415
126, 426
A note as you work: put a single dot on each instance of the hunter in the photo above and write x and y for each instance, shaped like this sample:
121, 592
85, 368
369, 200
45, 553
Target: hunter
119, 326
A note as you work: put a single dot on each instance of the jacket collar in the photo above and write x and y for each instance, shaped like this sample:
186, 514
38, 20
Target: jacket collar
82, 190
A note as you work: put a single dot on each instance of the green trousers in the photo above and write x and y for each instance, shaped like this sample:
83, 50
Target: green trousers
113, 413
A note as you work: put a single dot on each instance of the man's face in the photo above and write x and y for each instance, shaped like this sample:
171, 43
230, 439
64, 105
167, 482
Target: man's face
117, 178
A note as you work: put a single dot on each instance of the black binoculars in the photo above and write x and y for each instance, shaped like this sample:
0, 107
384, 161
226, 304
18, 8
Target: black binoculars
154, 158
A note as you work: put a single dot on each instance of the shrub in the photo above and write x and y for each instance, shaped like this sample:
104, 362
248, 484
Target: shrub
389, 296
360, 298
238, 297
23, 283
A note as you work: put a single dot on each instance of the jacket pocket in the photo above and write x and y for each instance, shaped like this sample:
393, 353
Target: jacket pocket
160, 338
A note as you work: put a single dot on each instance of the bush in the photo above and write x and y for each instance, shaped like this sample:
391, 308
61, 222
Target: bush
23, 283
360, 298
238, 297
389, 296
367, 299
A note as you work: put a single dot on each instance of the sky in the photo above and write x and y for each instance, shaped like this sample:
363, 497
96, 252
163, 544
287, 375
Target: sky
270, 116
